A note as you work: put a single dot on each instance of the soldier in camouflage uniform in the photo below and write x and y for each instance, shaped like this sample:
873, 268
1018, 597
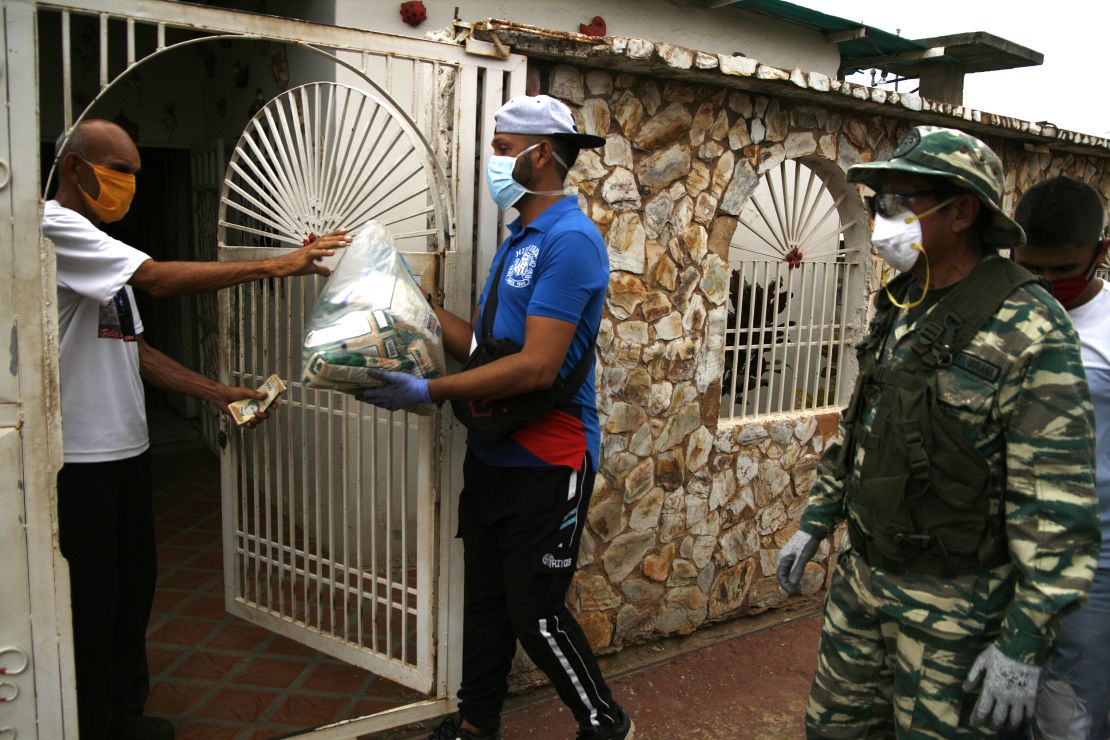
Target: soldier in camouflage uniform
963, 468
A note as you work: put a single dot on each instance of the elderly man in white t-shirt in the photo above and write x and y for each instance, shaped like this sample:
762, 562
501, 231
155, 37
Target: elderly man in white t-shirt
1063, 222
105, 519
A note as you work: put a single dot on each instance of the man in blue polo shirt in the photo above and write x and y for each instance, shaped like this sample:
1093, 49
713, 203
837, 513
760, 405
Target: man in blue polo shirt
525, 496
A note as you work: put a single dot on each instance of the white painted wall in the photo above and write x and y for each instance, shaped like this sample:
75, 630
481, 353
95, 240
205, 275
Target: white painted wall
723, 30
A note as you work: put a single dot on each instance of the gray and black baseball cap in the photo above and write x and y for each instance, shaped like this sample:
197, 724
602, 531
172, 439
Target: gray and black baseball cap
542, 115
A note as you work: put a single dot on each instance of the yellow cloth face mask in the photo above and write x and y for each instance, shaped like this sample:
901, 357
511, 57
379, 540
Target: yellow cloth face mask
116, 191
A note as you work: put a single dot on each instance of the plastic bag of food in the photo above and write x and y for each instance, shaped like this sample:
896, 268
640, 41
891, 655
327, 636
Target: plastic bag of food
371, 314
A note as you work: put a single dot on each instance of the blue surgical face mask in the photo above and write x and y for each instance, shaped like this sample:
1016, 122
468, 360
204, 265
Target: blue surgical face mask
503, 188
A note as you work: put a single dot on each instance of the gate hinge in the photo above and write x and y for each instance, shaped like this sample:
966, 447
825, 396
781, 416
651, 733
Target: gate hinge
492, 48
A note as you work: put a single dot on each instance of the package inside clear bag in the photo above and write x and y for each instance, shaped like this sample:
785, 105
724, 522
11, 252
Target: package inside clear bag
371, 314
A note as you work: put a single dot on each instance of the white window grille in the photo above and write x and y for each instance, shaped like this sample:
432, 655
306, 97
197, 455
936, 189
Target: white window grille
791, 298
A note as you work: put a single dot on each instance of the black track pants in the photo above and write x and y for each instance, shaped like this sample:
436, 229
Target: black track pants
106, 533
520, 529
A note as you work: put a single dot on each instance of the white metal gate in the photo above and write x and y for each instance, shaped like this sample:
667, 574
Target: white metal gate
350, 549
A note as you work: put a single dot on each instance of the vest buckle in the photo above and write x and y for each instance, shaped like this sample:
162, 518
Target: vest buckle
923, 541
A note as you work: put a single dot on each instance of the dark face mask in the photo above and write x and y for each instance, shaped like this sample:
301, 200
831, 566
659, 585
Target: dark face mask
1066, 290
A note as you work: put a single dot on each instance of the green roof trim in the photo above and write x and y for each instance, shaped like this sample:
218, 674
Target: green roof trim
876, 43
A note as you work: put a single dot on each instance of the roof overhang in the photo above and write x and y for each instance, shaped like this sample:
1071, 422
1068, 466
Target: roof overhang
668, 61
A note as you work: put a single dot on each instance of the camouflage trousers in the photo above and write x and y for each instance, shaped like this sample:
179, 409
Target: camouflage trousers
895, 649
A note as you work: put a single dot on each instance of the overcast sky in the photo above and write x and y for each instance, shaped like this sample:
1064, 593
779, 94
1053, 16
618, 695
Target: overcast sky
1070, 89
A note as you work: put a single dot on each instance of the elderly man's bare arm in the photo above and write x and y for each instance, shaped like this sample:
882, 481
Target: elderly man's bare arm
162, 279
166, 373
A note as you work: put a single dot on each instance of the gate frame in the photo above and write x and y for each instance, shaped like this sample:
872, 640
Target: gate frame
478, 229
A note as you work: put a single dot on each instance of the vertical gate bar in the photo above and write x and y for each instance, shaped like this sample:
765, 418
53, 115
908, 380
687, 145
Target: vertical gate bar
318, 548
280, 318
315, 160
425, 543
404, 574
331, 513
786, 343
303, 448
359, 569
838, 294
103, 41
417, 90
130, 42
291, 285
67, 73
812, 381
261, 349
256, 527
757, 371
763, 310
748, 349
345, 482
825, 320
241, 463
374, 527
160, 42
388, 564
465, 171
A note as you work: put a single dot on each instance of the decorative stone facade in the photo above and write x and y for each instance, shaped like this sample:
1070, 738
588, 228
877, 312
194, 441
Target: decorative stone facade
689, 511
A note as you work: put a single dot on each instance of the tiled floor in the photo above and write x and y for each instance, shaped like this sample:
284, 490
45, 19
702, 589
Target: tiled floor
216, 676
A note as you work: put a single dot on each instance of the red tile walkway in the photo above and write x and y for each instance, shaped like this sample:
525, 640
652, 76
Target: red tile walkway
216, 676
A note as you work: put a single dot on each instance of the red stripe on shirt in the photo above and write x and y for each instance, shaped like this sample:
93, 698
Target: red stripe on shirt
558, 439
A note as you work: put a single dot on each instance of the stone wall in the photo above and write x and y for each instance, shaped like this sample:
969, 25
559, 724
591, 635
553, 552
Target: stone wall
689, 511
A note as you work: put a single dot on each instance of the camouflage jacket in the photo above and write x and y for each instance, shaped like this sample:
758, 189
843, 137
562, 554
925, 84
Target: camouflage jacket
1034, 426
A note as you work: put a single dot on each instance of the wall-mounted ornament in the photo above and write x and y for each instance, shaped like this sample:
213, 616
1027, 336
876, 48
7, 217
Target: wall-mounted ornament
596, 27
413, 12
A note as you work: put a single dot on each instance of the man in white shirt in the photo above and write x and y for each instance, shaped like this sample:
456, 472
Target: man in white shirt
1063, 222
105, 518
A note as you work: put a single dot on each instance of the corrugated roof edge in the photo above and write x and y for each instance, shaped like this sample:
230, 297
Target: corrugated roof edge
678, 62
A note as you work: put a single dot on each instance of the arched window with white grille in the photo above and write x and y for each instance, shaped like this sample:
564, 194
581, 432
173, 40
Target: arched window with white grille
797, 293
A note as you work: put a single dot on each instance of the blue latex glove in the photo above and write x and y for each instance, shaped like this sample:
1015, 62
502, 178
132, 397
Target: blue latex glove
398, 390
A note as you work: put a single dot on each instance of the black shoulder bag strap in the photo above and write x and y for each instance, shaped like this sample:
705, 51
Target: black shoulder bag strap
574, 378
961, 314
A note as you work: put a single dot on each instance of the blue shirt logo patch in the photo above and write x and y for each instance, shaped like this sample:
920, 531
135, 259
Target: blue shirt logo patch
519, 273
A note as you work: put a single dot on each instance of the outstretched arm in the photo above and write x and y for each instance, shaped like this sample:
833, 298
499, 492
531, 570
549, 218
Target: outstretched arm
166, 373
162, 279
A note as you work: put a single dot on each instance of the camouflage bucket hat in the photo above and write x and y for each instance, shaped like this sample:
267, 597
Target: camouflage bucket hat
957, 157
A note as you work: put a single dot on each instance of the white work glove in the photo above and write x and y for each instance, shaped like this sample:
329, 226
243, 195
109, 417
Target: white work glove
1008, 690
793, 557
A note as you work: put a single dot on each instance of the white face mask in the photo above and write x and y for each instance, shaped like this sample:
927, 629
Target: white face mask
897, 239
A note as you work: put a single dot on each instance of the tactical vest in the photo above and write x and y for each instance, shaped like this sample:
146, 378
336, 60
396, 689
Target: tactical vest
924, 493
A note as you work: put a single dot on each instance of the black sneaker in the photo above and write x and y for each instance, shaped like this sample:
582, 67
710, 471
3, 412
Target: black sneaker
451, 728
623, 730
133, 726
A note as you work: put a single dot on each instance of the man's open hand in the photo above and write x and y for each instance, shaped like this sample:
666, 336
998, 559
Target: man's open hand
306, 260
